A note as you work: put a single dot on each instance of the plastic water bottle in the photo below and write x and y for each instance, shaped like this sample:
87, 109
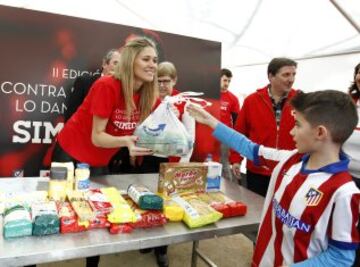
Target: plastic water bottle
82, 177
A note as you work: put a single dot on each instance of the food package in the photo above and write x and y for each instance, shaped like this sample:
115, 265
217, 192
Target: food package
17, 220
45, 218
23, 198
220, 202
98, 222
163, 133
70, 174
197, 212
178, 178
213, 177
68, 219
122, 213
146, 218
173, 211
81, 206
123, 228
144, 198
99, 202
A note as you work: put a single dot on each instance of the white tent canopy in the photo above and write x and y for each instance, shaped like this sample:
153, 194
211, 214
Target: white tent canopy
325, 41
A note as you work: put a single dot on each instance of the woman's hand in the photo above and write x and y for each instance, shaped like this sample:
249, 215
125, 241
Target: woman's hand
133, 149
201, 115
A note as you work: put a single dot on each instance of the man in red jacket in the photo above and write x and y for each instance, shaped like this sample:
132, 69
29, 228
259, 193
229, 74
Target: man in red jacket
266, 118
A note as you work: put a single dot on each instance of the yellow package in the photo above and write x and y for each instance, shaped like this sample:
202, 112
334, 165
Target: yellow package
173, 211
81, 206
70, 174
122, 212
197, 212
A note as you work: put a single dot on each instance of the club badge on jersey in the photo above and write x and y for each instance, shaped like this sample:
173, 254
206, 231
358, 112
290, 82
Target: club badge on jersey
313, 197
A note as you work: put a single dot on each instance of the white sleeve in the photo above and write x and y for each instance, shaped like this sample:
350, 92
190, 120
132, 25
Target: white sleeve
274, 154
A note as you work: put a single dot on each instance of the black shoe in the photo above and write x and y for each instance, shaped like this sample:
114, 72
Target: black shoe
145, 250
162, 259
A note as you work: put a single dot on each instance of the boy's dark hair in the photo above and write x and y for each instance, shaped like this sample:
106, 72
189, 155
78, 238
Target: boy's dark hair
226, 72
279, 62
333, 109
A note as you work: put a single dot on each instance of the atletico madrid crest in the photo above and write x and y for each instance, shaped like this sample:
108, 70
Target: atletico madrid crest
313, 197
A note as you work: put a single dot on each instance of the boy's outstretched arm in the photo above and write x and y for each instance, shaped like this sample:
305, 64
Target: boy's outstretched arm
333, 256
224, 134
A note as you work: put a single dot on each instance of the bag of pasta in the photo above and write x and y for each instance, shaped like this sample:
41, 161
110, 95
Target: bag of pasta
164, 133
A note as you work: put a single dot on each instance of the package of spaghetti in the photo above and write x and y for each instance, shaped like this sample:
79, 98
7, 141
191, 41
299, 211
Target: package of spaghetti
197, 212
99, 202
24, 198
144, 198
45, 218
69, 222
120, 228
121, 213
146, 218
80, 205
173, 211
17, 220
220, 202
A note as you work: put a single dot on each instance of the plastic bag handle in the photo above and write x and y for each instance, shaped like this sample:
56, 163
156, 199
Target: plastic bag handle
188, 96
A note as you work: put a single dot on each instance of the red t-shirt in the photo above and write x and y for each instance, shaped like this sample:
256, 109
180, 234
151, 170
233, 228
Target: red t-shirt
229, 105
105, 100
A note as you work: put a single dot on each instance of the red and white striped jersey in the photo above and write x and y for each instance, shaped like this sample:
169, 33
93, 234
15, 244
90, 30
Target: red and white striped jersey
305, 210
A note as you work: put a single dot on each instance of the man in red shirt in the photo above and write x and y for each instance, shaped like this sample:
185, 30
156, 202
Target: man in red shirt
266, 118
229, 110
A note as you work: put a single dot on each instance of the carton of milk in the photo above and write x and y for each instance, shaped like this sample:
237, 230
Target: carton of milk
213, 176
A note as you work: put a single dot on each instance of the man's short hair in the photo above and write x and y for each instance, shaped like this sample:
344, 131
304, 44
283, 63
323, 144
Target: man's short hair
277, 63
108, 55
333, 109
226, 72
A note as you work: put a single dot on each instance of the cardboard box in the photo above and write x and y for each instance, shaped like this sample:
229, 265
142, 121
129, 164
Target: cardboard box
213, 176
179, 178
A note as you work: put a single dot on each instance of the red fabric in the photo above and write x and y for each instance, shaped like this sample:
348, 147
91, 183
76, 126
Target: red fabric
205, 143
105, 100
229, 104
256, 120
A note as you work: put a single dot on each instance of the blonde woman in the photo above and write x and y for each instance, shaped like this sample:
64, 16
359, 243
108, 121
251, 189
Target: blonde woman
107, 118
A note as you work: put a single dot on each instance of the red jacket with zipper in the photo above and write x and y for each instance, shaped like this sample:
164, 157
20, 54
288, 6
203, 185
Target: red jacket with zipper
257, 121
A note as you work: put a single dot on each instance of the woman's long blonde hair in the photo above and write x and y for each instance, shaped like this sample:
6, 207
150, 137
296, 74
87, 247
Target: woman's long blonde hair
124, 71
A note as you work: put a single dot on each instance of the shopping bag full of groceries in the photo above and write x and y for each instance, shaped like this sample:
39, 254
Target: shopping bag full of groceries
163, 132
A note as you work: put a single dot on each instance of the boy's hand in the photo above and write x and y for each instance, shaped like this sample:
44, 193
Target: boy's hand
201, 115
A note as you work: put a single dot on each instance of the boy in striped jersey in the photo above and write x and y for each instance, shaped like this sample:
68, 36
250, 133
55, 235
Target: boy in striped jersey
311, 209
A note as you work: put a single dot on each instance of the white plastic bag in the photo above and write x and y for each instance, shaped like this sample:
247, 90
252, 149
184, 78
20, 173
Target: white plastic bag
163, 132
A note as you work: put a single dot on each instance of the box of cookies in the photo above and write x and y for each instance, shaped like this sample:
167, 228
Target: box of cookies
179, 178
